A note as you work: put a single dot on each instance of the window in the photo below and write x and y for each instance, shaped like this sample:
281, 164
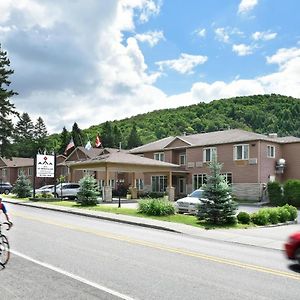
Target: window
20, 171
159, 156
182, 159
228, 177
209, 154
101, 183
4, 172
111, 183
271, 152
159, 183
30, 171
139, 183
241, 152
199, 180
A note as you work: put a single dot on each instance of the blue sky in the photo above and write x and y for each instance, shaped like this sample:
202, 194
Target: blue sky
97, 60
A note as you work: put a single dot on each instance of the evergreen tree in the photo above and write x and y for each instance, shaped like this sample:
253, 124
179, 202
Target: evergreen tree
134, 139
217, 207
23, 137
117, 136
7, 109
88, 193
64, 140
40, 134
22, 187
77, 135
107, 137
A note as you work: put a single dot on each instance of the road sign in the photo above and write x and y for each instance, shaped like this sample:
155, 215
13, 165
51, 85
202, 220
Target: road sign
45, 165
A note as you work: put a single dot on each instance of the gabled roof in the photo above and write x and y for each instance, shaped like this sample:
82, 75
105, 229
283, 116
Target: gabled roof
122, 161
16, 162
213, 138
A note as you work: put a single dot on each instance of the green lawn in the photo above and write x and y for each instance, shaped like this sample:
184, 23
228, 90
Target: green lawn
177, 218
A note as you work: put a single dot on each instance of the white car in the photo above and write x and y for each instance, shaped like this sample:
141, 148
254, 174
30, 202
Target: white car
67, 190
44, 189
190, 202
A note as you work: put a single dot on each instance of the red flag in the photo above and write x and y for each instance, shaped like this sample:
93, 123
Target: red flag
98, 141
70, 146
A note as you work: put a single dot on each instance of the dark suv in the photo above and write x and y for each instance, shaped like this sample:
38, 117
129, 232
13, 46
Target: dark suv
5, 187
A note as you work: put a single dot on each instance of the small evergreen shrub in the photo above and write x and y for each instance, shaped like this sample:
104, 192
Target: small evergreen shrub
293, 212
156, 207
22, 187
275, 193
292, 192
88, 193
243, 217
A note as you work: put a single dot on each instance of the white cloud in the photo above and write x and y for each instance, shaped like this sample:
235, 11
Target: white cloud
246, 5
264, 35
201, 32
184, 64
151, 37
242, 49
222, 35
283, 56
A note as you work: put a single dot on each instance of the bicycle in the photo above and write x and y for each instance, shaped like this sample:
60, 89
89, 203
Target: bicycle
4, 246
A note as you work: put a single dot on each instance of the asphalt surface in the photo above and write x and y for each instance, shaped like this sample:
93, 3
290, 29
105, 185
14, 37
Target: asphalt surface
272, 237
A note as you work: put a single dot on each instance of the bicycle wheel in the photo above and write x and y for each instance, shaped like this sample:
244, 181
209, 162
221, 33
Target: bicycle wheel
4, 250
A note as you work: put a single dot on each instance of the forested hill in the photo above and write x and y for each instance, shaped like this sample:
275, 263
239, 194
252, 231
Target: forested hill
259, 113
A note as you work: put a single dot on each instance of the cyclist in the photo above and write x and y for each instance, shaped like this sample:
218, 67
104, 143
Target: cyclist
3, 208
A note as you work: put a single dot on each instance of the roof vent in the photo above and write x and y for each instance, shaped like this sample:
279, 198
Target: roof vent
273, 135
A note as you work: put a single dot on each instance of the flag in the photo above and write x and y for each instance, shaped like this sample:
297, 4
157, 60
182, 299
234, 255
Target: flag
88, 145
70, 146
98, 142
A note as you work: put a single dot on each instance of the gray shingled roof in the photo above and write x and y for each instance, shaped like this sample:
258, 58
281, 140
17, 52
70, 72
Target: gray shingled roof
18, 162
213, 138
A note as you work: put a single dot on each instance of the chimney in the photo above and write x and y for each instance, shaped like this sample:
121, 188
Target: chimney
273, 135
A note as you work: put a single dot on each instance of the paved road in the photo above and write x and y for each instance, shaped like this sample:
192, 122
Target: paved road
96, 259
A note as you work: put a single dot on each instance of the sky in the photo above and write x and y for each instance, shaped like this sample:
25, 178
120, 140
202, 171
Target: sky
91, 61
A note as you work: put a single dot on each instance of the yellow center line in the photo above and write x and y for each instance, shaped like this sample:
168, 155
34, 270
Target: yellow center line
161, 247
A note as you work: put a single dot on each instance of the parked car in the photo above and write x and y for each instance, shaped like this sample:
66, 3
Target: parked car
189, 203
45, 189
292, 247
5, 187
67, 190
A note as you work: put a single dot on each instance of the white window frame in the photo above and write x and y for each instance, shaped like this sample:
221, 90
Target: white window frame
139, 182
199, 180
244, 146
271, 151
212, 153
182, 159
227, 176
159, 156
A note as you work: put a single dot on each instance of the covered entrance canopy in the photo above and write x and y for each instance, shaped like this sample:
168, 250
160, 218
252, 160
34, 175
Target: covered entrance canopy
121, 161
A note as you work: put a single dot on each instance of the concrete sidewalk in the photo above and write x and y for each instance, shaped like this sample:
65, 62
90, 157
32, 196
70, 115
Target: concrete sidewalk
272, 237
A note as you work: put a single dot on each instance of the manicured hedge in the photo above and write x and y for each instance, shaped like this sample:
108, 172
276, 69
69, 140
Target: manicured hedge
275, 193
292, 192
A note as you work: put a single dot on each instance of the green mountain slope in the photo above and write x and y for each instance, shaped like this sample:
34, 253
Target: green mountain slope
259, 113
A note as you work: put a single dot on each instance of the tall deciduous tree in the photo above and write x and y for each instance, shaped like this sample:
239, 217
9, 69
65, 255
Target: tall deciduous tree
7, 109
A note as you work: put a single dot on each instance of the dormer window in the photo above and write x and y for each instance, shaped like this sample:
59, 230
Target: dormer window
159, 156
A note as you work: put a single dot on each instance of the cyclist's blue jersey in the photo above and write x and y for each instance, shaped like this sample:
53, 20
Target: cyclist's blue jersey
3, 208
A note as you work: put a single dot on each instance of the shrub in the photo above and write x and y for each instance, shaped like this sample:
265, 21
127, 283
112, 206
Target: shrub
88, 194
275, 193
44, 195
292, 210
273, 215
284, 214
292, 192
260, 218
243, 217
156, 207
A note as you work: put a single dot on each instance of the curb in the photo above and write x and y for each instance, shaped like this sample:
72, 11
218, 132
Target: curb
85, 214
